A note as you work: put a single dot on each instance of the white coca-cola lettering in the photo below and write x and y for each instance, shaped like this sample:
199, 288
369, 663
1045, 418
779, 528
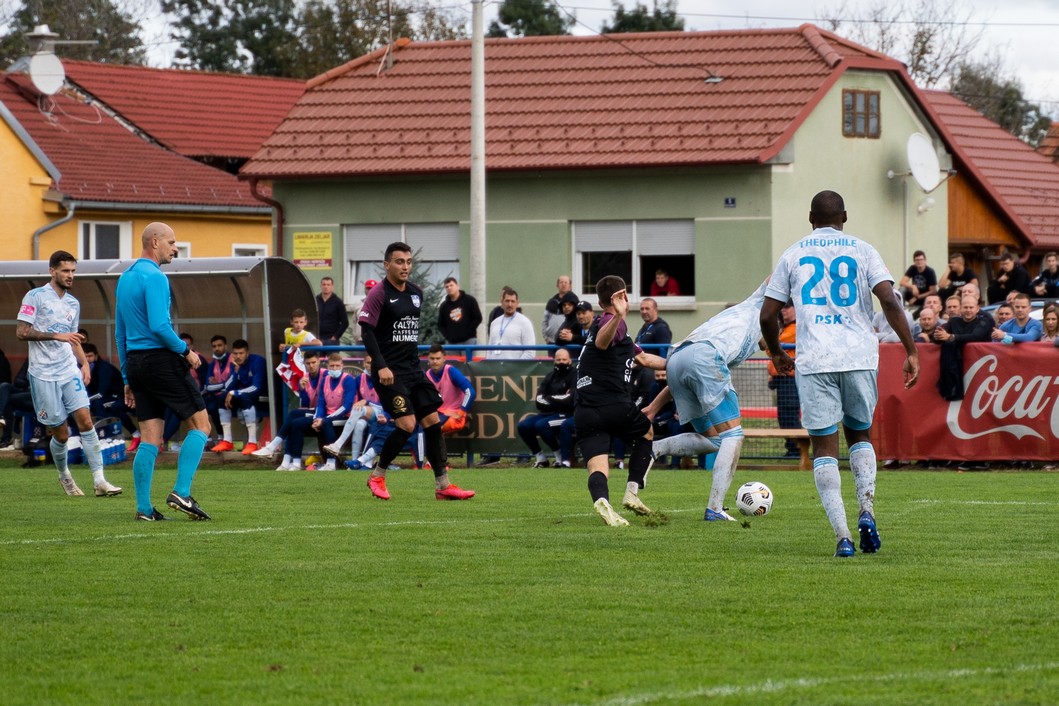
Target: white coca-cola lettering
1015, 397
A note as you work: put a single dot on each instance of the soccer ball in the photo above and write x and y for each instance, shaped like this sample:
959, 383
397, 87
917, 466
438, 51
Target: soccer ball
754, 499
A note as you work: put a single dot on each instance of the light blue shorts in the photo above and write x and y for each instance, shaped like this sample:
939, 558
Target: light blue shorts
54, 401
702, 386
829, 399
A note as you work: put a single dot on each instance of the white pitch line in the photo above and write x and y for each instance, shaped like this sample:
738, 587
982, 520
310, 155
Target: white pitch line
1017, 503
254, 530
770, 686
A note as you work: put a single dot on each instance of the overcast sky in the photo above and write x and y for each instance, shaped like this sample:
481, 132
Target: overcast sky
1024, 31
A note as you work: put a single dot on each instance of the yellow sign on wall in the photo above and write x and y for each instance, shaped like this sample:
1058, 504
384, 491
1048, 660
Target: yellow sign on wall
313, 250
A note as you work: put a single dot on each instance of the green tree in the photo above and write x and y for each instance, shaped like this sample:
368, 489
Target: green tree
237, 36
113, 25
294, 39
983, 87
529, 18
663, 18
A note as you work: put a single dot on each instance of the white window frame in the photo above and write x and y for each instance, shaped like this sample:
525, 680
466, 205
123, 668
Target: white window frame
353, 293
254, 250
183, 249
124, 239
683, 302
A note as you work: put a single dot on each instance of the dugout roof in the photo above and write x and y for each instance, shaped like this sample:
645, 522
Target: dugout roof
237, 297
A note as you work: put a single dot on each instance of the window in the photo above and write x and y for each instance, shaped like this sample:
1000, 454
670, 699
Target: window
436, 245
249, 250
105, 241
635, 251
860, 113
183, 250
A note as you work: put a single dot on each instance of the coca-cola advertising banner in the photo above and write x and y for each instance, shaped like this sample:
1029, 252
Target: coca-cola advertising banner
1010, 407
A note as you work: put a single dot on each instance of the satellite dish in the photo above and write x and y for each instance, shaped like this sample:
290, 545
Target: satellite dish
47, 73
923, 162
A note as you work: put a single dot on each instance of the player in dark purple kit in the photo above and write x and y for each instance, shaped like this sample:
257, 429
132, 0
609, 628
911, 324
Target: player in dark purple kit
389, 323
604, 402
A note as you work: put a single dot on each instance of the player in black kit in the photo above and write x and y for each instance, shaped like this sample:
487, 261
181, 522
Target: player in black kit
389, 323
604, 402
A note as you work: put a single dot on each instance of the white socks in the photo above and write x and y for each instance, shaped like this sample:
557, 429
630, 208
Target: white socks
93, 454
863, 464
829, 486
688, 444
58, 454
355, 421
724, 466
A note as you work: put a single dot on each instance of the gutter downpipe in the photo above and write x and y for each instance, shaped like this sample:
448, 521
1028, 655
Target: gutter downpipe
279, 214
71, 208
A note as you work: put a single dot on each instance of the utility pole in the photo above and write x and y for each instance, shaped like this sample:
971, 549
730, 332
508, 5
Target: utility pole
477, 254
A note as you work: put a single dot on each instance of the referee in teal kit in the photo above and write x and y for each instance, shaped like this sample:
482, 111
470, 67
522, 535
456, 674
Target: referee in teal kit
156, 365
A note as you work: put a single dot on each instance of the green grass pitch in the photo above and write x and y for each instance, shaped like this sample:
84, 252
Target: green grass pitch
305, 590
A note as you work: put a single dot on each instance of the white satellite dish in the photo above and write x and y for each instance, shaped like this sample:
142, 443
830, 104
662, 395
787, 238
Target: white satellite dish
47, 73
923, 162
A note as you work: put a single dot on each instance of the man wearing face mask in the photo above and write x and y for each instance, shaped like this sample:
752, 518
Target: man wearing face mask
337, 394
308, 393
555, 400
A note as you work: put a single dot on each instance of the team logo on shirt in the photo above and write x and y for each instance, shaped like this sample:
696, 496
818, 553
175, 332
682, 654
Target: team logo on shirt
415, 301
27, 309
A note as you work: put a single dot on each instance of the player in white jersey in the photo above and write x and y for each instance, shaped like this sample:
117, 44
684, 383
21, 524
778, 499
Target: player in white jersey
700, 382
831, 277
58, 370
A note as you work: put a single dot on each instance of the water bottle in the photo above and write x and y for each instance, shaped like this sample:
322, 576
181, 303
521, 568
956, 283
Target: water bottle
39, 455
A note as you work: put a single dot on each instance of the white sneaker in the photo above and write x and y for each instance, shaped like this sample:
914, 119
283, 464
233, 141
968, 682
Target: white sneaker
632, 501
104, 489
285, 467
329, 466
69, 485
334, 450
610, 517
266, 451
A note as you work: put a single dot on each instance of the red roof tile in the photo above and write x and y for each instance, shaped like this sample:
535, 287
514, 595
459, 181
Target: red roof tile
101, 160
634, 100
195, 113
1024, 184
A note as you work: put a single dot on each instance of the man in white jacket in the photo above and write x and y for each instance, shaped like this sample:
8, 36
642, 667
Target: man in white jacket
511, 329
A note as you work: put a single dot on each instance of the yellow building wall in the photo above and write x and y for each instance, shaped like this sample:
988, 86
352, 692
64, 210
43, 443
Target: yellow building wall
23, 182
207, 235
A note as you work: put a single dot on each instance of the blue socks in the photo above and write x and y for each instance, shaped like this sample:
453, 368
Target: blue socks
142, 473
188, 461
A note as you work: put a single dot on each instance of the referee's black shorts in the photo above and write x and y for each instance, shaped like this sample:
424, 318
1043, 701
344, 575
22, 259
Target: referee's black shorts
596, 425
410, 393
161, 379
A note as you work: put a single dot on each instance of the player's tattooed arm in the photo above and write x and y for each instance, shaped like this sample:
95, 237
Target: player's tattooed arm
26, 332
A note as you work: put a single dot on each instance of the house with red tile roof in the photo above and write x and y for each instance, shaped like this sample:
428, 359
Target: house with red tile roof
1004, 195
87, 168
693, 152
219, 119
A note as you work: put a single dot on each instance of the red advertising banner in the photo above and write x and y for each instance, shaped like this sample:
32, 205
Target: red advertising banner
1010, 408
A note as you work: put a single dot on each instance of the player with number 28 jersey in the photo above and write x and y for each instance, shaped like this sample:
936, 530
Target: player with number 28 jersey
830, 276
